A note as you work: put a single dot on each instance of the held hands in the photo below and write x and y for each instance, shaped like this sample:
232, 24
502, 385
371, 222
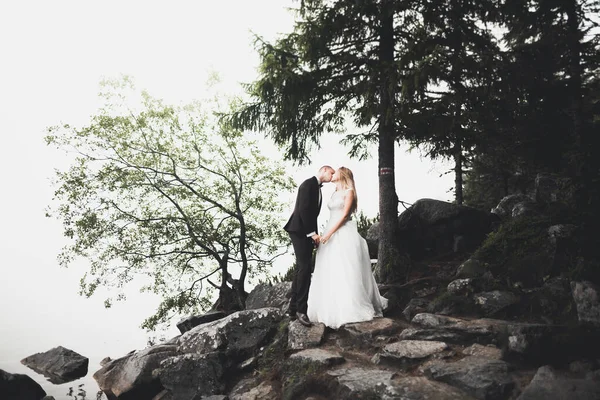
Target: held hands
316, 239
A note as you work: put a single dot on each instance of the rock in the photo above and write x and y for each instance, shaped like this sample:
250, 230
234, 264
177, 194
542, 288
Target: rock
373, 240
357, 383
550, 188
414, 307
461, 286
59, 364
48, 398
407, 353
190, 322
239, 335
301, 337
266, 295
252, 389
494, 301
558, 233
367, 334
421, 388
189, 376
131, 376
471, 268
480, 377
587, 300
581, 367
525, 208
451, 330
19, 387
548, 384
105, 361
429, 227
504, 209
478, 350
319, 357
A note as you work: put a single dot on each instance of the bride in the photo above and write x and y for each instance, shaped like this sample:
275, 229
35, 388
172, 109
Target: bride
343, 289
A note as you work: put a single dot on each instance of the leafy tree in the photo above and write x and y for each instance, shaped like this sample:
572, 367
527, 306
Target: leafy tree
169, 194
340, 61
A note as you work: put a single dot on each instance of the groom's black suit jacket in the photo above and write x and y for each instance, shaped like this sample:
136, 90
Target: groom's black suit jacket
307, 208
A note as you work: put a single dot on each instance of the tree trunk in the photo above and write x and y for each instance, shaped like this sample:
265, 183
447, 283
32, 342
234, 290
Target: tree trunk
388, 257
458, 171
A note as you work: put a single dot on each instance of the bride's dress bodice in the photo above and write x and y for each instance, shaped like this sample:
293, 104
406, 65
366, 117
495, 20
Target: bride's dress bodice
336, 205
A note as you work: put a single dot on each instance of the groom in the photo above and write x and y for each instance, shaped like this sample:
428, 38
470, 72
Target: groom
302, 228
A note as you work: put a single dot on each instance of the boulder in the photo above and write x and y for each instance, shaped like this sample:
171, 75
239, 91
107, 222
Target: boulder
131, 376
190, 322
451, 330
267, 295
482, 378
587, 299
549, 384
359, 383
495, 301
430, 227
421, 388
191, 376
301, 337
489, 351
317, 357
407, 353
238, 335
368, 334
471, 268
19, 387
252, 389
525, 208
505, 208
414, 307
59, 364
461, 286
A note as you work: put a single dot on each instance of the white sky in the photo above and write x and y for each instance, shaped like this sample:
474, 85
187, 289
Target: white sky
52, 57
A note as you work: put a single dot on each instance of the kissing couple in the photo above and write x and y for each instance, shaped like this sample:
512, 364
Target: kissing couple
343, 288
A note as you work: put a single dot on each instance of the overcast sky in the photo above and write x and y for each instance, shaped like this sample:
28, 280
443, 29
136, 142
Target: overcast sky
52, 57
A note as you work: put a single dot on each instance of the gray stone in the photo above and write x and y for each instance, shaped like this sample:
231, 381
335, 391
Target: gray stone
504, 209
356, 383
471, 268
494, 301
524, 208
132, 375
461, 286
407, 353
239, 335
59, 364
253, 389
421, 388
320, 357
452, 330
367, 334
267, 295
429, 227
414, 307
105, 361
480, 377
561, 232
491, 352
587, 300
19, 387
190, 322
190, 376
548, 384
301, 337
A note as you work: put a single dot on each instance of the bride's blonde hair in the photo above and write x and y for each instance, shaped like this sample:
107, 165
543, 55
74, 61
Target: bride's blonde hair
347, 180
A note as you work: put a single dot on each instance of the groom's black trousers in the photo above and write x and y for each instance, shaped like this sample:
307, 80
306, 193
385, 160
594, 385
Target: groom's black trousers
303, 248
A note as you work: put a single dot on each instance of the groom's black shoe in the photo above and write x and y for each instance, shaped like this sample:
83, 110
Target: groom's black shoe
303, 319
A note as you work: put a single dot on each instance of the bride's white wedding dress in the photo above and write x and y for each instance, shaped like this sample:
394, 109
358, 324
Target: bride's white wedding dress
343, 288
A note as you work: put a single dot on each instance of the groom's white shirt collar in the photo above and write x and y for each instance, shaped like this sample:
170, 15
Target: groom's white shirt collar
318, 180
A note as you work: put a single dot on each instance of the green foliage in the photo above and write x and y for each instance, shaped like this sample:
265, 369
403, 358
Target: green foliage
363, 223
167, 196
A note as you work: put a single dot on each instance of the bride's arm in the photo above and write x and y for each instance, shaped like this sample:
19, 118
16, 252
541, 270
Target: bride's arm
348, 200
